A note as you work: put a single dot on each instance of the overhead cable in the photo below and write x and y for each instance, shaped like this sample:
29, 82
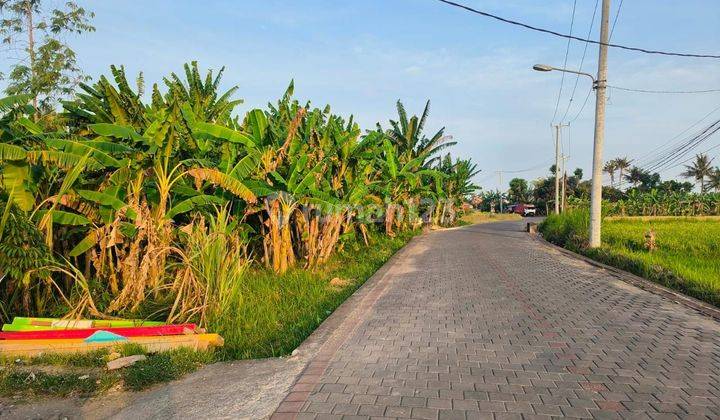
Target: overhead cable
577, 38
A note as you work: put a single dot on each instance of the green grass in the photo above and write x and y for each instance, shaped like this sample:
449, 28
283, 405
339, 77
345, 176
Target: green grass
163, 367
83, 374
686, 258
271, 315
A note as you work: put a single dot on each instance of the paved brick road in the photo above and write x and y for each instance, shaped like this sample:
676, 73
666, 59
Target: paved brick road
482, 321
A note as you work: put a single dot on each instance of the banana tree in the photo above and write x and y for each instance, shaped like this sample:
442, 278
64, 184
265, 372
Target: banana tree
407, 136
456, 185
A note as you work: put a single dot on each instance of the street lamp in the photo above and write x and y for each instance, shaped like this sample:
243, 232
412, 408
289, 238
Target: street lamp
545, 68
600, 85
542, 67
596, 192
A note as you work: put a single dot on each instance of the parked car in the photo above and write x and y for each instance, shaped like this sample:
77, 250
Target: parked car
524, 210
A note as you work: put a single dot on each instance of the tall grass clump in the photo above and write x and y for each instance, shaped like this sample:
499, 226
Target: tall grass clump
210, 274
570, 229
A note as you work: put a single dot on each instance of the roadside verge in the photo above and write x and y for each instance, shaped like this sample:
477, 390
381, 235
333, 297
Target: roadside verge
237, 389
640, 282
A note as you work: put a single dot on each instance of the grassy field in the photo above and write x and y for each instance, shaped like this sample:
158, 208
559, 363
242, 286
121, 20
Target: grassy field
273, 314
685, 258
475, 217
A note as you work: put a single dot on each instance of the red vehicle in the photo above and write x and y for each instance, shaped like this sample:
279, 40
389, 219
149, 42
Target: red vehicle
524, 210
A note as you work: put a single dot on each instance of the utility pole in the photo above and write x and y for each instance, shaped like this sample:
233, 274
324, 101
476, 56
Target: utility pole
600, 88
558, 171
500, 191
557, 168
563, 194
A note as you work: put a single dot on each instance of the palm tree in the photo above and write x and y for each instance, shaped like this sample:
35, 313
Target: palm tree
610, 168
621, 164
635, 176
699, 170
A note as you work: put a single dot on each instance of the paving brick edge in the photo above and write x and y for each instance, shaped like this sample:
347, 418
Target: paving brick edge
332, 333
639, 282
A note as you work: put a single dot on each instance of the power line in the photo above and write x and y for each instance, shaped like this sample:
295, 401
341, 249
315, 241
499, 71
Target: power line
534, 168
617, 14
587, 97
681, 149
653, 154
622, 183
671, 158
686, 148
567, 51
691, 158
673, 92
576, 38
582, 61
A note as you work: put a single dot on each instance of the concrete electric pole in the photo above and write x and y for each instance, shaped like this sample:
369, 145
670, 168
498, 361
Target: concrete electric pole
557, 168
500, 186
563, 185
600, 88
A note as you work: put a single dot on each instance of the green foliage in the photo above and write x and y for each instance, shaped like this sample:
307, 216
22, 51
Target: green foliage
271, 315
48, 69
23, 252
543, 189
658, 202
91, 359
699, 170
519, 191
570, 229
172, 208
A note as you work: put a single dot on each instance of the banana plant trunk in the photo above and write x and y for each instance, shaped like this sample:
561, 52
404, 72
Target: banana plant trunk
389, 219
277, 241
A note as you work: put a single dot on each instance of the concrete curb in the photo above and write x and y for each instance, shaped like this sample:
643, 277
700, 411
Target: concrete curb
639, 282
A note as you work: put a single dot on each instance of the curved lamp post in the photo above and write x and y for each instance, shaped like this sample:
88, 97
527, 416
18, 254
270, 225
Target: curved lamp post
596, 192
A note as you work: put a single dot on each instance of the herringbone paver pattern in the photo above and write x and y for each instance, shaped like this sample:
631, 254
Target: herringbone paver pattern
487, 323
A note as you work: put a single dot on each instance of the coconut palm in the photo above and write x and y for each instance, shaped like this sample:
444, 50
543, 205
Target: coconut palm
621, 165
635, 176
610, 168
699, 170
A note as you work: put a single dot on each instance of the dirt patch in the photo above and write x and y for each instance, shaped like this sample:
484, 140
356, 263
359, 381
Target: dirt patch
338, 283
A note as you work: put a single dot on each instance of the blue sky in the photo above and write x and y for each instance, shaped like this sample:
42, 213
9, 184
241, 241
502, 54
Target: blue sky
361, 56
